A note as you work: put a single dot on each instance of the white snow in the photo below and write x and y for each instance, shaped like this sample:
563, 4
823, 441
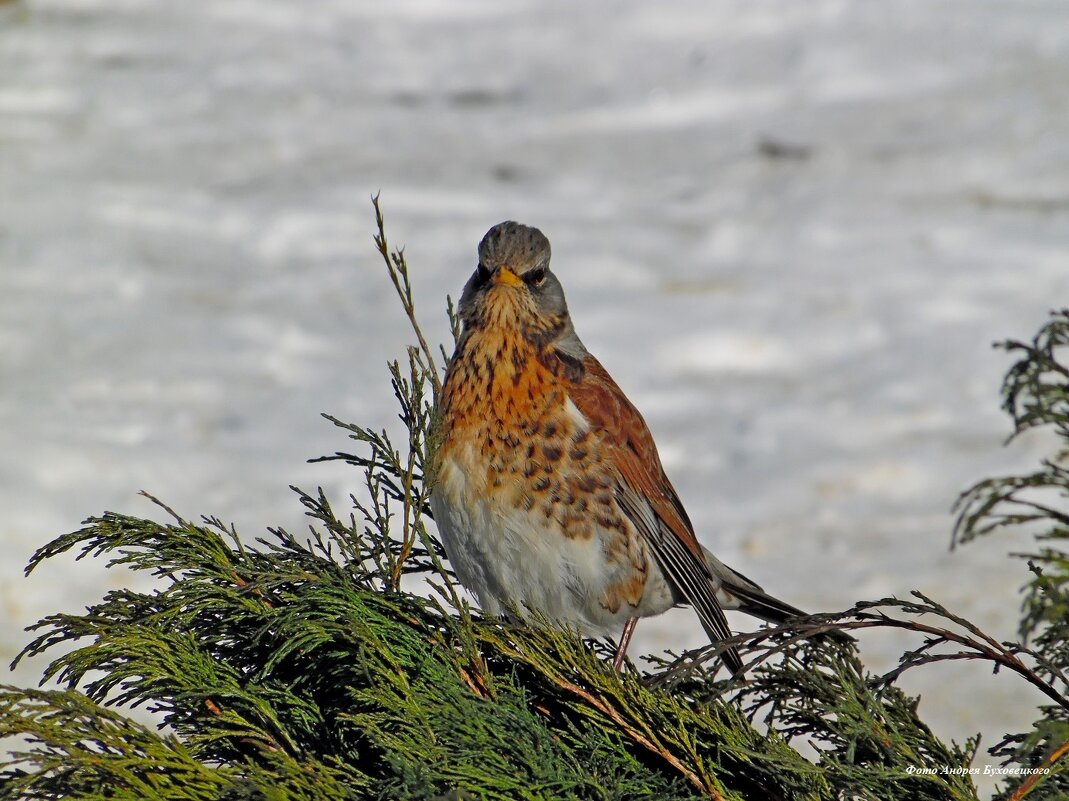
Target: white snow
790, 230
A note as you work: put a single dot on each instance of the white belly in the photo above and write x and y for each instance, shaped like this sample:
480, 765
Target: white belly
511, 556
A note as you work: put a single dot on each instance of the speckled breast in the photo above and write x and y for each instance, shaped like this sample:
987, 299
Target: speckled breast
508, 420
523, 499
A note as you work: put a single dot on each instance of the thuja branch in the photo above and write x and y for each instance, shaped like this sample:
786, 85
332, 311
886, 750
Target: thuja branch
1036, 388
1029, 784
871, 614
397, 267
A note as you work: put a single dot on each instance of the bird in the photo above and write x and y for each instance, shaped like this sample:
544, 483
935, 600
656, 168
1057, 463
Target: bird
548, 490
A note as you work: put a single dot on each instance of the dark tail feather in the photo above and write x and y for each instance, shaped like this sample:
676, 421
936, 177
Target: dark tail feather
729, 655
732, 660
760, 604
711, 616
755, 601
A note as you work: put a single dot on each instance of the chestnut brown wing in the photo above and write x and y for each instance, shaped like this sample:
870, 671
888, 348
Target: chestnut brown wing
648, 498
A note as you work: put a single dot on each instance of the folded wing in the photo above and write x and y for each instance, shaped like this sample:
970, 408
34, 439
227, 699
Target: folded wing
648, 499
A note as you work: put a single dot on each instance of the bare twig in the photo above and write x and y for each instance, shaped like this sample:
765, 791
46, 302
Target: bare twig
162, 505
776, 639
397, 267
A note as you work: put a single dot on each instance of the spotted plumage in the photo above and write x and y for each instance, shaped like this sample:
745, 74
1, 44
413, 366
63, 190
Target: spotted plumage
549, 492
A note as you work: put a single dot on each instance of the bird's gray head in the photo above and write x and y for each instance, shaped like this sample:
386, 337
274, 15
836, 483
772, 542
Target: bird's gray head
514, 247
513, 285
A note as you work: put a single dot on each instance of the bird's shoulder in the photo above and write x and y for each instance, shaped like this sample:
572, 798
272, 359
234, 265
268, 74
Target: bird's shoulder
631, 446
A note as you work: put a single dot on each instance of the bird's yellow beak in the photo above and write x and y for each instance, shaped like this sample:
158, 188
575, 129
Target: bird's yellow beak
503, 275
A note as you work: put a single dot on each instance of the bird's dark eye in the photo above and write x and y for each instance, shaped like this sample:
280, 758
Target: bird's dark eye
535, 277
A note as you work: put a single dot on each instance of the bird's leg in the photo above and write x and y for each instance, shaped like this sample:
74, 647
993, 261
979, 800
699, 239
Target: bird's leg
625, 640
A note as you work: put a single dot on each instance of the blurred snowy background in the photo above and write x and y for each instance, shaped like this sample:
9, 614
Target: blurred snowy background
790, 230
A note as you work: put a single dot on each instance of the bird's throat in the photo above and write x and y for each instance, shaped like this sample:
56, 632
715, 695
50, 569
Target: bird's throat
500, 375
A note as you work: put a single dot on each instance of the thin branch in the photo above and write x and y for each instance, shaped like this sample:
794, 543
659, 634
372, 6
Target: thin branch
398, 270
1029, 784
614, 715
162, 505
776, 639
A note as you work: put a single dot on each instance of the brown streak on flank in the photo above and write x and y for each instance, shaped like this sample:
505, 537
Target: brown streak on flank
629, 591
611, 602
585, 483
634, 588
608, 522
552, 453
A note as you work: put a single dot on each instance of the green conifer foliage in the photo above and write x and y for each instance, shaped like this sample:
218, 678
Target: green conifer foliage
297, 667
